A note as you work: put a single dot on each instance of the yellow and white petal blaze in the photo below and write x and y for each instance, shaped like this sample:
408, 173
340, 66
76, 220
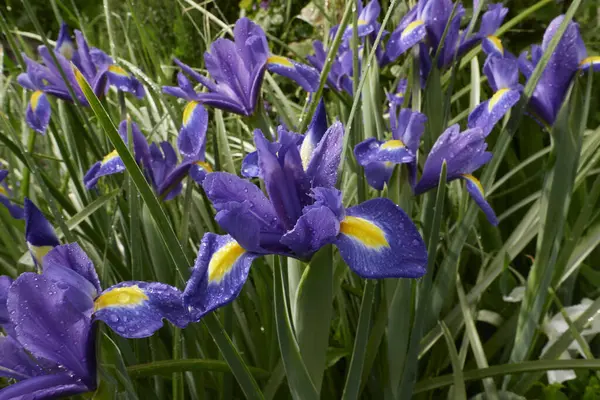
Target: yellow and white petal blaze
128, 296
496, 98
35, 99
204, 165
110, 156
39, 252
497, 43
223, 261
476, 182
364, 231
188, 111
411, 27
593, 60
279, 60
115, 69
393, 144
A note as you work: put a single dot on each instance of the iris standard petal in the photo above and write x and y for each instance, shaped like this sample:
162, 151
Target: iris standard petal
476, 191
219, 274
502, 72
49, 326
305, 76
223, 102
488, 113
323, 165
492, 19
408, 128
314, 134
64, 44
45, 387
316, 227
38, 112
378, 240
191, 141
39, 234
73, 257
136, 309
140, 144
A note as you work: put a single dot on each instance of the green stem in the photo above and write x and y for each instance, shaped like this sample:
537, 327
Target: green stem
167, 367
27, 172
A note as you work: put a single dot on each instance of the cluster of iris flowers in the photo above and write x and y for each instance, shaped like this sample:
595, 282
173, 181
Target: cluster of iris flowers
48, 316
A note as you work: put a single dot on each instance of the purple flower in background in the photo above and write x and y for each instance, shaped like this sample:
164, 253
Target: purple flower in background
463, 153
302, 213
237, 68
569, 57
367, 21
159, 161
340, 74
503, 76
5, 195
380, 157
39, 234
97, 68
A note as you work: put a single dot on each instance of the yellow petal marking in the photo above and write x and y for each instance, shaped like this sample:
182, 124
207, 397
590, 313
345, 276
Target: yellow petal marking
279, 60
204, 165
223, 261
39, 252
35, 99
411, 27
590, 60
130, 296
115, 69
364, 231
393, 144
3, 191
496, 98
497, 43
110, 156
188, 111
475, 181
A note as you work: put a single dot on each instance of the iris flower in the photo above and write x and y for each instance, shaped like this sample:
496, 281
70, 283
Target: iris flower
95, 65
425, 23
159, 162
340, 73
237, 68
503, 76
50, 347
367, 21
463, 153
380, 157
302, 213
5, 195
569, 57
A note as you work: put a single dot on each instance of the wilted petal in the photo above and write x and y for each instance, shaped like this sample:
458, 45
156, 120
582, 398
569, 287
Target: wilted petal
219, 274
136, 309
378, 240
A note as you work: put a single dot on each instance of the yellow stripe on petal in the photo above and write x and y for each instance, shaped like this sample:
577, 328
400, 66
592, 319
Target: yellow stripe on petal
3, 191
474, 181
411, 27
35, 99
115, 69
495, 40
279, 60
113, 154
496, 98
393, 144
204, 165
39, 252
590, 61
130, 296
223, 261
188, 111
364, 231
362, 22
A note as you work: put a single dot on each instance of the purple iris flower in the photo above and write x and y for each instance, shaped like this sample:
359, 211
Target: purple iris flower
380, 157
340, 74
95, 65
159, 161
367, 21
569, 57
502, 72
237, 68
425, 23
463, 152
302, 213
50, 347
5, 195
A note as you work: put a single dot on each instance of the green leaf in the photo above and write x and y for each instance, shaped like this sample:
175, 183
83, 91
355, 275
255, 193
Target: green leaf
459, 383
315, 292
167, 367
